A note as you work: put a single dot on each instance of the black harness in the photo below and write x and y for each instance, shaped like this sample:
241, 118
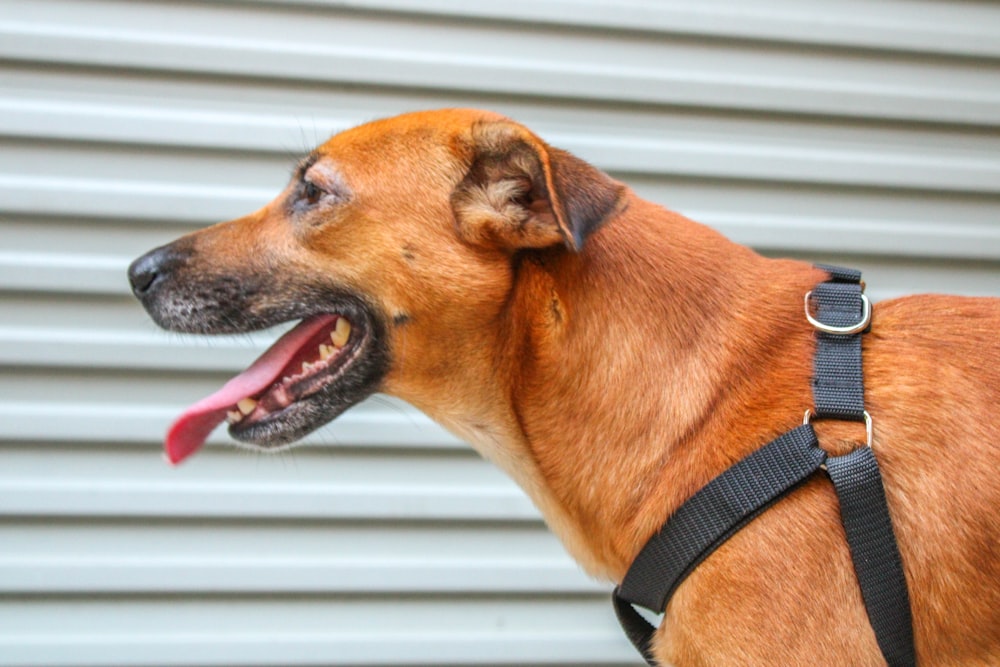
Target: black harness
738, 495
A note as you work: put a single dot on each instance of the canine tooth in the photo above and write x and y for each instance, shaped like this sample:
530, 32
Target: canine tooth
341, 333
234, 416
246, 405
325, 352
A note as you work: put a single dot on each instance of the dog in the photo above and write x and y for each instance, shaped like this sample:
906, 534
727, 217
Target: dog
612, 357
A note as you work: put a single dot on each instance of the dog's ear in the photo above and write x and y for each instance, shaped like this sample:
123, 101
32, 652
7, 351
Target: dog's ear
521, 193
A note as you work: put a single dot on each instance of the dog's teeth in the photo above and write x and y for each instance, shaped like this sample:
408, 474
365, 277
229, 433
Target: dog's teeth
341, 333
326, 351
246, 405
234, 416
306, 367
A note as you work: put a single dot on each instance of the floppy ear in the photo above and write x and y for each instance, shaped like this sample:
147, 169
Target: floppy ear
521, 193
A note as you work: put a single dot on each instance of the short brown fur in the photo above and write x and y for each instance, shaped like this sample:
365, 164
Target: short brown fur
613, 357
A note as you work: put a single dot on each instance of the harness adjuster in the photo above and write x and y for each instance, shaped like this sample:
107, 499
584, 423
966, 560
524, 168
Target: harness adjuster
849, 330
868, 425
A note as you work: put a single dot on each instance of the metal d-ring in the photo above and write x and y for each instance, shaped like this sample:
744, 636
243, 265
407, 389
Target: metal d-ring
866, 319
868, 425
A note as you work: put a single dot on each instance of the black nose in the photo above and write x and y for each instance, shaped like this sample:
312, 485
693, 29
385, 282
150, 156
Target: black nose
152, 268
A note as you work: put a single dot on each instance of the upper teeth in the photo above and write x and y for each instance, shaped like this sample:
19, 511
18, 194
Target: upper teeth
341, 333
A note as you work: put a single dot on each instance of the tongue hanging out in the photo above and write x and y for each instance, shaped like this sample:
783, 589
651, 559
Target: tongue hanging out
315, 339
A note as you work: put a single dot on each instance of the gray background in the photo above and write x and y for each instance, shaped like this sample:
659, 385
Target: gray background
861, 132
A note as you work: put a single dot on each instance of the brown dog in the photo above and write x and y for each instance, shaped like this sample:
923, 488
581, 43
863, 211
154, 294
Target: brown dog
612, 357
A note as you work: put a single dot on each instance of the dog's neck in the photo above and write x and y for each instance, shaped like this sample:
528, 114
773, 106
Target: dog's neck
627, 361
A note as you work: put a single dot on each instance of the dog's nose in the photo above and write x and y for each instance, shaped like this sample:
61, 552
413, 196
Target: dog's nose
150, 269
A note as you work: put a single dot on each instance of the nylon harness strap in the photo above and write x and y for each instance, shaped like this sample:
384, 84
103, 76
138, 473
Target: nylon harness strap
738, 495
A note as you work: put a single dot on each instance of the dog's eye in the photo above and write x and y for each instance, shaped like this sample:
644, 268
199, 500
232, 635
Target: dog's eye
311, 192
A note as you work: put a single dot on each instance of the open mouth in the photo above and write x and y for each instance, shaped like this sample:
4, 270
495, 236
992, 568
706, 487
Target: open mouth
315, 365
314, 372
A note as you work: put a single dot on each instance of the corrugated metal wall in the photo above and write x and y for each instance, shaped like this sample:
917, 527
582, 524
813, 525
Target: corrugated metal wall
864, 131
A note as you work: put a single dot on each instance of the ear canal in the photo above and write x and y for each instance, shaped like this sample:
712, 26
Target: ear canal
521, 193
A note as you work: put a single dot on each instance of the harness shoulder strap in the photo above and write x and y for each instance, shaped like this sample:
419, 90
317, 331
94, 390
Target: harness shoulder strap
874, 553
716, 512
706, 520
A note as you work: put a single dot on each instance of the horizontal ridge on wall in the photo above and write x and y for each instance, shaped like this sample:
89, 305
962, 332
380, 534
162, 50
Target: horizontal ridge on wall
297, 43
966, 29
476, 631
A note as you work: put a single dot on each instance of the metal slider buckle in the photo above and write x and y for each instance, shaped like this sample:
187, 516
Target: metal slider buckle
868, 425
850, 330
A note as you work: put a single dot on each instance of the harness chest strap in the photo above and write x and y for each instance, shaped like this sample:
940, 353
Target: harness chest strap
742, 492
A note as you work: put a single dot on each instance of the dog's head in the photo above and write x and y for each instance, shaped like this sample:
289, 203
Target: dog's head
396, 244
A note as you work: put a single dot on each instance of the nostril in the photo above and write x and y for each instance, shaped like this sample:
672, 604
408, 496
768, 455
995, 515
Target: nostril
142, 274
145, 272
141, 278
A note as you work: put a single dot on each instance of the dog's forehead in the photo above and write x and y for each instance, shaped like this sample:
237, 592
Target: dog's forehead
407, 134
425, 142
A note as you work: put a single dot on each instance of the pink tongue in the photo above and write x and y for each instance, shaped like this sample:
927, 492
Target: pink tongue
190, 430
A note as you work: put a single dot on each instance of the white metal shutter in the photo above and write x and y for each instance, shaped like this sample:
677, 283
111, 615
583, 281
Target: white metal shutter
860, 131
